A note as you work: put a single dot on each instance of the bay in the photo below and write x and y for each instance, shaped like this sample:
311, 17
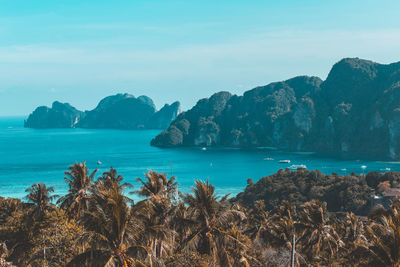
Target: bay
29, 156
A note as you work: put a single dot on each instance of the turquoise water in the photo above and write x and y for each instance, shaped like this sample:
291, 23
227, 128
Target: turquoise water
28, 156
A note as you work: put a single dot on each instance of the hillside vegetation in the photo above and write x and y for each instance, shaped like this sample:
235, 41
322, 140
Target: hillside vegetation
120, 111
97, 224
354, 111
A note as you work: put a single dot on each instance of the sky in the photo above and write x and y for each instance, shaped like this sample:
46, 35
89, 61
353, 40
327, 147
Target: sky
80, 51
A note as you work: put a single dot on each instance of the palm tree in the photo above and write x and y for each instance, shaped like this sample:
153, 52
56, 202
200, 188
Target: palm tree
235, 249
157, 184
352, 232
320, 240
41, 197
210, 217
111, 229
4, 253
383, 233
108, 178
156, 235
282, 226
79, 182
207, 212
259, 221
157, 222
181, 222
281, 230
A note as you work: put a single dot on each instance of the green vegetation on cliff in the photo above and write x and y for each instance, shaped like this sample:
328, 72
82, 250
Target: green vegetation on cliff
355, 110
121, 111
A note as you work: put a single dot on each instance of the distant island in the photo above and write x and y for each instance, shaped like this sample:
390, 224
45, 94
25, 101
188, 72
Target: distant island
356, 110
121, 111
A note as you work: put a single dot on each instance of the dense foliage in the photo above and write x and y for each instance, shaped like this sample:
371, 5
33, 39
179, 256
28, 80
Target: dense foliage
349, 193
97, 224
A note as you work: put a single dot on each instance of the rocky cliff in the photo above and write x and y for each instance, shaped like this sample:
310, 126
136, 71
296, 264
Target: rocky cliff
121, 111
355, 110
60, 115
163, 118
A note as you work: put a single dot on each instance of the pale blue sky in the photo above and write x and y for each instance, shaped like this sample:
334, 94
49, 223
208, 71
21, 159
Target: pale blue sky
81, 51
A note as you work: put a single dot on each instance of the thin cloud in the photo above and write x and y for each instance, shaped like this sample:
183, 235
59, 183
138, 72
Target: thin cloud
285, 44
131, 26
261, 57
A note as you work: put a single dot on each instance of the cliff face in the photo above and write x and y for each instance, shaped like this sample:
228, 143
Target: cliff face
121, 111
355, 110
358, 112
272, 115
60, 115
162, 118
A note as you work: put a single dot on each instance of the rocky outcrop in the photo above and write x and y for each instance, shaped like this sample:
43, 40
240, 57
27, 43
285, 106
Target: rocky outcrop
196, 126
356, 110
258, 118
162, 118
121, 111
60, 115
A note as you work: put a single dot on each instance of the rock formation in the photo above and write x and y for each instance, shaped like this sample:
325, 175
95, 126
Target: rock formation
60, 115
356, 110
121, 111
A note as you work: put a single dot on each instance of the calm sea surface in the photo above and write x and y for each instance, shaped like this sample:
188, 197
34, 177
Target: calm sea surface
28, 156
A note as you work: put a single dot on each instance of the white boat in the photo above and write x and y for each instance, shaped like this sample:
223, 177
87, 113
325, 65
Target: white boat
203, 148
284, 161
363, 167
344, 170
386, 170
268, 159
99, 162
295, 167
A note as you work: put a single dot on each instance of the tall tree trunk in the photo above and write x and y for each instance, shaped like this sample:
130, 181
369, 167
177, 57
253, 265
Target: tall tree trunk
292, 259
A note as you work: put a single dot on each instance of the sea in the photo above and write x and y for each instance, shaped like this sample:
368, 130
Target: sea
29, 156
